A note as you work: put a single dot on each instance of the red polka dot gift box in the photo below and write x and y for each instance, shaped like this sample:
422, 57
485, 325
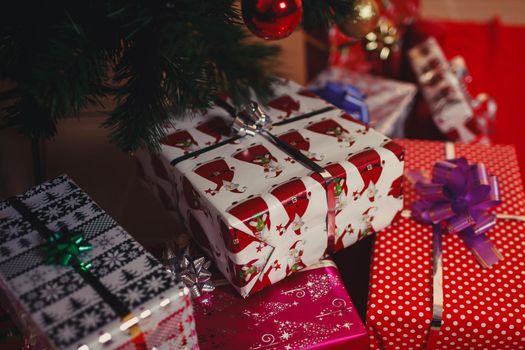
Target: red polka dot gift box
459, 296
269, 190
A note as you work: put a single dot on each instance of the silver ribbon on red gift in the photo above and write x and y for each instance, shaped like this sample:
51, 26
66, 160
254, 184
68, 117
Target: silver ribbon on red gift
456, 199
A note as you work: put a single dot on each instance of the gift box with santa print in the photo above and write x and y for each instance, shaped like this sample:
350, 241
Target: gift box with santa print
254, 205
389, 101
424, 297
460, 116
309, 310
75, 279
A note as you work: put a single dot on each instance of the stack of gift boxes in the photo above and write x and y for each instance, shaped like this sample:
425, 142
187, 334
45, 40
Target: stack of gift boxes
268, 193
267, 215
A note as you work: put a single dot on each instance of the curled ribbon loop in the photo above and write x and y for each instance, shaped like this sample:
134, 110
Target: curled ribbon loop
64, 249
458, 200
251, 120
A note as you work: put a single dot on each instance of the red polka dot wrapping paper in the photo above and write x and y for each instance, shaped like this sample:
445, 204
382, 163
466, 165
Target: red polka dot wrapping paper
483, 308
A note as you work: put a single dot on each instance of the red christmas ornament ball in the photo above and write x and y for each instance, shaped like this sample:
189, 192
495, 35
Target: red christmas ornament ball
272, 19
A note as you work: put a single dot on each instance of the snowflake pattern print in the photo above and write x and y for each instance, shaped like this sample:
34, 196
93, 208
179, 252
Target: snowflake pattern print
288, 315
63, 305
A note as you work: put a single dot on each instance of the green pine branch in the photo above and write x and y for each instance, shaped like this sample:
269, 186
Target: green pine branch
323, 14
164, 58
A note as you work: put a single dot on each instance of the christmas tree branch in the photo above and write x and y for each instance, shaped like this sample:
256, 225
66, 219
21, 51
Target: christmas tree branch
154, 87
323, 14
168, 57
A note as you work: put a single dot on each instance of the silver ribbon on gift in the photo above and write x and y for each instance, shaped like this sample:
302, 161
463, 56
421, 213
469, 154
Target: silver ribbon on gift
252, 120
194, 273
437, 266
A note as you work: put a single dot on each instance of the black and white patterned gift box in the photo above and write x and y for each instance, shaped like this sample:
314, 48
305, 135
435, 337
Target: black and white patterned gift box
55, 303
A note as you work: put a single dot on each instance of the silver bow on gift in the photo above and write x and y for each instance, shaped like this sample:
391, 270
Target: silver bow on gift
251, 120
192, 272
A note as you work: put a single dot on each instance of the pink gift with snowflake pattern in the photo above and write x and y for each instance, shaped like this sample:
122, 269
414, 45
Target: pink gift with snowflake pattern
311, 309
483, 308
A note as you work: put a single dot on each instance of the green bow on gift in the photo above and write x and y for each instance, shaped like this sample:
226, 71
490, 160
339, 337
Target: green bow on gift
63, 249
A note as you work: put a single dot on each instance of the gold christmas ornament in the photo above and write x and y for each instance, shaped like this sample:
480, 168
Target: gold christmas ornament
383, 39
361, 20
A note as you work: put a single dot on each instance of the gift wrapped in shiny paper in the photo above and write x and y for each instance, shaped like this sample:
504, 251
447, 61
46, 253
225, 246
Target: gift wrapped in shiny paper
311, 181
75, 279
309, 310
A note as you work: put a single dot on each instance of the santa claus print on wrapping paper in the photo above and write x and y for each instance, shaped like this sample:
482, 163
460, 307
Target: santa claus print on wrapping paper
396, 189
473, 125
243, 274
295, 198
364, 229
285, 104
370, 166
452, 134
264, 280
258, 154
301, 143
330, 127
216, 127
254, 213
339, 241
340, 189
393, 147
338, 173
218, 172
235, 240
295, 257
340, 186
365, 127
181, 139
191, 195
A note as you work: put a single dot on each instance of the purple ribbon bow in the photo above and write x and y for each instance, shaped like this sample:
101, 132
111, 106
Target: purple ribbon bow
458, 200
